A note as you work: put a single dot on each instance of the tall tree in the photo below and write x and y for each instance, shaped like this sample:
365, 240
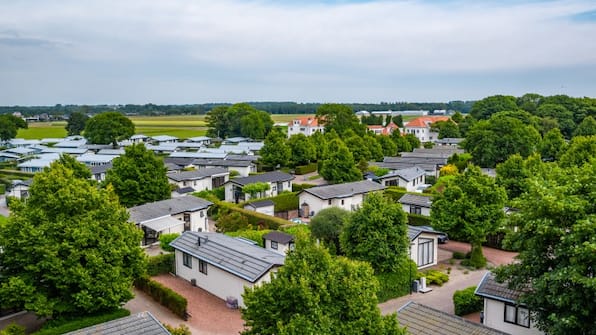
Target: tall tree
319, 141
327, 226
108, 127
512, 176
69, 249
586, 128
377, 233
552, 145
446, 129
374, 146
402, 144
10, 125
76, 123
581, 150
387, 145
485, 108
275, 152
239, 119
563, 116
314, 293
358, 148
340, 118
303, 150
256, 124
471, 206
138, 177
339, 166
556, 229
413, 140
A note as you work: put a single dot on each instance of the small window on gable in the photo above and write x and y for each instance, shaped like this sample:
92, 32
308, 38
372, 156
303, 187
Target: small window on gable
273, 245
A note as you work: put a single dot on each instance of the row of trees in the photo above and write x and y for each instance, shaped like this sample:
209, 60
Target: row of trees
238, 120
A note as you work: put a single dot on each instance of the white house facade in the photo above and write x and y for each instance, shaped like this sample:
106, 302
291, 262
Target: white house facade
416, 204
278, 182
424, 249
279, 242
409, 178
200, 180
305, 125
420, 127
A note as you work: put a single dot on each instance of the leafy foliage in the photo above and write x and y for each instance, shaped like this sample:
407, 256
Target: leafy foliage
581, 150
327, 226
239, 119
397, 283
76, 123
586, 128
165, 239
162, 294
314, 293
339, 166
340, 118
13, 329
108, 128
275, 151
302, 149
434, 277
552, 146
138, 177
466, 302
69, 249
9, 125
255, 189
485, 108
63, 325
159, 264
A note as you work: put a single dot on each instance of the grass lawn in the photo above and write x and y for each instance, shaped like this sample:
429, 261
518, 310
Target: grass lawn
43, 130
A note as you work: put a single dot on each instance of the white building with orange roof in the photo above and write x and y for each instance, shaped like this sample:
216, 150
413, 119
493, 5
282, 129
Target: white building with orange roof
383, 130
307, 125
420, 127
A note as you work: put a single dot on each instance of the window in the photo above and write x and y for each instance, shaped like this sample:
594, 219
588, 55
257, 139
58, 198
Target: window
426, 252
517, 315
202, 267
415, 209
329, 202
187, 260
273, 245
342, 201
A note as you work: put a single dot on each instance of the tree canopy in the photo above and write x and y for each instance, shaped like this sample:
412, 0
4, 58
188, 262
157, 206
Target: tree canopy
315, 293
556, 236
76, 123
377, 233
327, 226
303, 150
275, 151
108, 128
580, 151
339, 166
239, 119
9, 126
138, 177
485, 108
69, 249
340, 118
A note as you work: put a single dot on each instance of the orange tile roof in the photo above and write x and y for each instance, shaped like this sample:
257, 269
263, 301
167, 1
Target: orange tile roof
308, 121
424, 121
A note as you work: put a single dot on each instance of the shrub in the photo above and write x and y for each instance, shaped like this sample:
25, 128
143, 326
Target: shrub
231, 221
164, 295
160, 264
304, 169
466, 302
165, 239
434, 277
394, 192
396, 284
459, 255
13, 329
260, 220
300, 187
234, 173
68, 324
285, 201
476, 260
418, 220
181, 330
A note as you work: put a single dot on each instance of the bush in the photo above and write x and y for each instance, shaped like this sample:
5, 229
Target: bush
181, 330
165, 239
466, 302
418, 220
434, 277
13, 329
300, 187
160, 264
476, 260
65, 325
394, 192
260, 220
164, 295
2, 188
285, 201
304, 169
459, 255
396, 284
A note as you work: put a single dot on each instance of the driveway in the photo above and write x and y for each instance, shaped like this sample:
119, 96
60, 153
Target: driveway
209, 314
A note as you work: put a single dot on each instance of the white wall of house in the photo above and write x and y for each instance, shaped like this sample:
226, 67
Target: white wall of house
316, 204
243, 171
420, 251
198, 220
271, 192
408, 208
218, 282
268, 210
19, 192
281, 249
494, 317
410, 186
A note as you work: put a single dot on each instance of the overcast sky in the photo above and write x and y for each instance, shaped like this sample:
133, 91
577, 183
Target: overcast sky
194, 51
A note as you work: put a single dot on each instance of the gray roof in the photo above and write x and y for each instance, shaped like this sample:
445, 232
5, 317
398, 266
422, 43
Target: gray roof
100, 168
143, 323
221, 162
407, 174
428, 167
423, 320
181, 161
184, 190
244, 260
449, 140
273, 176
414, 231
416, 160
279, 237
491, 289
196, 174
261, 203
344, 190
189, 203
251, 158
416, 199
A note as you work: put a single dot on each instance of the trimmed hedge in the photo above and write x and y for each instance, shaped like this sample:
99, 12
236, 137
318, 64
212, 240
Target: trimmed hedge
261, 220
418, 220
299, 187
164, 295
17, 173
394, 192
65, 325
160, 264
396, 284
304, 169
286, 201
466, 302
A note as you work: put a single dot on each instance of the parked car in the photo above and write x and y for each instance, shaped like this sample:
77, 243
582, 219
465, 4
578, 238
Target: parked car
442, 238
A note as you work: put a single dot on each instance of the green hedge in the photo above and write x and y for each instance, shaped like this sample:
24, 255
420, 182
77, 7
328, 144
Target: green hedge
394, 192
418, 220
260, 220
166, 239
17, 173
300, 187
65, 325
304, 169
466, 302
286, 201
161, 264
396, 284
164, 295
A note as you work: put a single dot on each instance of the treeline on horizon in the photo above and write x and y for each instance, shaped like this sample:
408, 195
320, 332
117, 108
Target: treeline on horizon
200, 109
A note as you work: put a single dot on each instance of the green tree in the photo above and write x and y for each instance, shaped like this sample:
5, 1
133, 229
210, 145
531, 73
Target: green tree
529, 102
76, 123
465, 125
398, 120
457, 117
413, 140
580, 151
552, 145
586, 128
446, 129
485, 108
303, 150
339, 166
275, 153
138, 177
470, 207
108, 127
69, 249
319, 141
10, 125
358, 148
512, 175
255, 189
315, 293
256, 124
377, 233
556, 237
460, 160
402, 144
563, 116
327, 226
374, 146
217, 121
79, 170
388, 146
340, 118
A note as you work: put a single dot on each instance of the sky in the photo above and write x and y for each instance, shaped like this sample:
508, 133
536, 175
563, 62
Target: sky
195, 51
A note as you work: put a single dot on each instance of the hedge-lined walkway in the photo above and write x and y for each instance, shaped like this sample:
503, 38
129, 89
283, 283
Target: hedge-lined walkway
209, 314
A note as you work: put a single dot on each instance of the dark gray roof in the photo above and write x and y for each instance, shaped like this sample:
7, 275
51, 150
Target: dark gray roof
423, 320
261, 203
279, 237
184, 190
100, 168
273, 176
344, 190
449, 140
251, 158
414, 231
416, 160
221, 162
162, 208
180, 161
407, 174
416, 199
196, 174
143, 323
244, 260
491, 289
